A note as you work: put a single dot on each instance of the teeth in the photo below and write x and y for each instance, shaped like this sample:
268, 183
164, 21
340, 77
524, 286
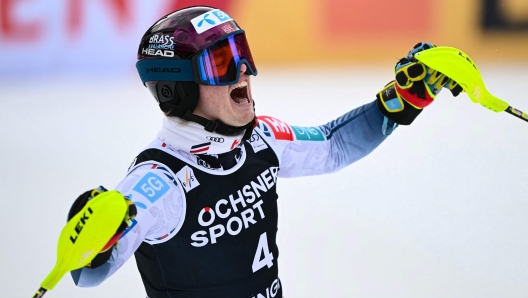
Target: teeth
243, 102
241, 85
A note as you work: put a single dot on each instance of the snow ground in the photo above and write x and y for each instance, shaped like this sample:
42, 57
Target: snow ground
439, 210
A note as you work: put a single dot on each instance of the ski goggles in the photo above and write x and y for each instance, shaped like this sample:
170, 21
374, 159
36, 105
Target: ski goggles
215, 65
219, 64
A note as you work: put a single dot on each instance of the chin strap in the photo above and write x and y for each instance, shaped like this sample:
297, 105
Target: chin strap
220, 127
249, 129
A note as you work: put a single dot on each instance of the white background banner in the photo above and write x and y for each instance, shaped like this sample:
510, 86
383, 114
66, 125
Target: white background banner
39, 37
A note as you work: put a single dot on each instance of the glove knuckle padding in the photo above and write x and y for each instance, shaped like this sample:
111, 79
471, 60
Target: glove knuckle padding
421, 46
406, 72
416, 71
402, 79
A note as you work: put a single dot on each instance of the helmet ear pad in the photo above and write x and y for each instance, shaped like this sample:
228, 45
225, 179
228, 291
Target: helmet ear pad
177, 98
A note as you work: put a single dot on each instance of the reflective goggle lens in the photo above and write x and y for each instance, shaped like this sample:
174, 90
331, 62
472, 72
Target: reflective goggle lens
219, 63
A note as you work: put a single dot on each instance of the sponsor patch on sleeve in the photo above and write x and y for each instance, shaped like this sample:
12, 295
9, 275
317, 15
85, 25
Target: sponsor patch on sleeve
152, 187
187, 178
210, 20
281, 130
308, 133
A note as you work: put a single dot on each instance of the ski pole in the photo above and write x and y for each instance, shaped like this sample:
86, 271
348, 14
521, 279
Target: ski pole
517, 113
458, 66
85, 235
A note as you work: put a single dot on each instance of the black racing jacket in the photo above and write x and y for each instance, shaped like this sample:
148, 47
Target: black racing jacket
227, 244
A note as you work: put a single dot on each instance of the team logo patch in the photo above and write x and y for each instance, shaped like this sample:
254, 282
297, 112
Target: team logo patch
257, 143
228, 29
152, 187
200, 148
308, 133
281, 130
210, 20
187, 178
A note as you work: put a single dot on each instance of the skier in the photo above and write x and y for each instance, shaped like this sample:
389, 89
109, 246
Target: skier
205, 188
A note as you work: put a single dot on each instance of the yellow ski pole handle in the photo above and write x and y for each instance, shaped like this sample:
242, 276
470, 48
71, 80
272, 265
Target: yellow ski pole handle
458, 66
85, 235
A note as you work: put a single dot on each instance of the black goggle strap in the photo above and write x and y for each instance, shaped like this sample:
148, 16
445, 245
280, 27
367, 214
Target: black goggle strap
214, 126
165, 70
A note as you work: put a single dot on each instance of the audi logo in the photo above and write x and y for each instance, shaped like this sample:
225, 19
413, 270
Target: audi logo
215, 139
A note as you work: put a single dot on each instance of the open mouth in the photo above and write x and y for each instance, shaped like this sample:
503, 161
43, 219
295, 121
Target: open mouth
240, 93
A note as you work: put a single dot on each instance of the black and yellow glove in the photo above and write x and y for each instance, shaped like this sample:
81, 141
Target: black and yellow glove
106, 252
415, 87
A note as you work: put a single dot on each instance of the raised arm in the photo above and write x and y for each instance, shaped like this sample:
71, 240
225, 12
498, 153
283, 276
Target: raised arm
327, 148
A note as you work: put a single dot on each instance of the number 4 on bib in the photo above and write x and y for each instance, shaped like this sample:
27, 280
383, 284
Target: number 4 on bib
262, 248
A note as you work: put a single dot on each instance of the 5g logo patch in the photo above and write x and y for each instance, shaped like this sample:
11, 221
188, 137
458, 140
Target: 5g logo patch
209, 20
152, 187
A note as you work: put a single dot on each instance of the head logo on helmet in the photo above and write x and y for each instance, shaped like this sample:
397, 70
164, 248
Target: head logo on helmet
190, 40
